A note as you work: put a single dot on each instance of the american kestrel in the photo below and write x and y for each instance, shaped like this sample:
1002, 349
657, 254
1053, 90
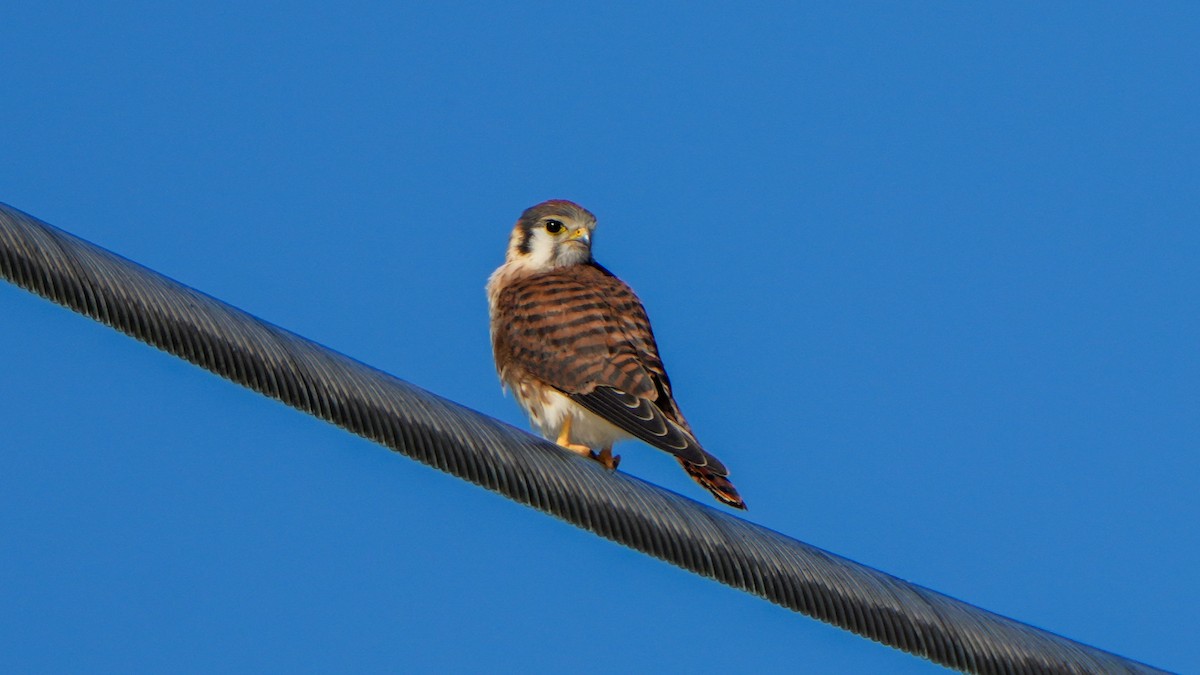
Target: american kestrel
574, 345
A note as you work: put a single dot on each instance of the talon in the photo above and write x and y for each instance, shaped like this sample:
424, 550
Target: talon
607, 459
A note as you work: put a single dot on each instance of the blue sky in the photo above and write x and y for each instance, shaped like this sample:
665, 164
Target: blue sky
924, 275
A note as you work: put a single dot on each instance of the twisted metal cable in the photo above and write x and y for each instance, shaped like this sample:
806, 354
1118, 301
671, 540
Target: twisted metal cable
272, 361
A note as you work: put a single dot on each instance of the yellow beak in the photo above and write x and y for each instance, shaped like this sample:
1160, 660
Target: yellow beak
582, 234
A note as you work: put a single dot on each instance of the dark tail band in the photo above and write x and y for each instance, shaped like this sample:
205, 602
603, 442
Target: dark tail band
718, 485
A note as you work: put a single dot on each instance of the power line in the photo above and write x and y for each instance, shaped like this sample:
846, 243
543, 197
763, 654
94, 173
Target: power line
312, 378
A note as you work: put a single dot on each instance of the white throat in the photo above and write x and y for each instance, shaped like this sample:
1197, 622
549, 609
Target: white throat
546, 253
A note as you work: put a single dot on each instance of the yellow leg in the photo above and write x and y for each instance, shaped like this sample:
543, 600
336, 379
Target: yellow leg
564, 439
605, 456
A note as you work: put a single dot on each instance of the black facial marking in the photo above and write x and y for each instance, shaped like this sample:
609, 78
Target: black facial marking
525, 245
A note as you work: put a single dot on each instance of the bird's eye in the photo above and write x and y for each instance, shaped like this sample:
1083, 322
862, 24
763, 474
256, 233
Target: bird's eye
554, 226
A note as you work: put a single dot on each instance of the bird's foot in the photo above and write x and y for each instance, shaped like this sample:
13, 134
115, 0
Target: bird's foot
607, 458
578, 449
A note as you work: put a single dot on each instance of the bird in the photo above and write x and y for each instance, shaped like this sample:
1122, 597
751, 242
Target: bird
573, 343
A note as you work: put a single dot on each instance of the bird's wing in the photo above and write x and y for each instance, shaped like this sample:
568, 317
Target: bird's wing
582, 331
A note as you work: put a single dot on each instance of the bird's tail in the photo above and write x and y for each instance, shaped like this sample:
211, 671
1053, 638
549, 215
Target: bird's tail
718, 485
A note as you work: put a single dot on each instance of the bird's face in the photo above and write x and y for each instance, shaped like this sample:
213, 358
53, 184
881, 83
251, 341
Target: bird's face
552, 234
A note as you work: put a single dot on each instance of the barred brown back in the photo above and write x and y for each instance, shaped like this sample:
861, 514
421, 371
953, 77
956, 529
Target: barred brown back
584, 332
578, 327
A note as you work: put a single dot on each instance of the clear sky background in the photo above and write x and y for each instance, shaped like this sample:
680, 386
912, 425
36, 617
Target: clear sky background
925, 277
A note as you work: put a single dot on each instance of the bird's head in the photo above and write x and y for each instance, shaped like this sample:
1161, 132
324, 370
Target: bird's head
552, 234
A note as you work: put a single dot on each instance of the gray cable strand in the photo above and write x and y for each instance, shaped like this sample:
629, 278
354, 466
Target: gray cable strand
307, 376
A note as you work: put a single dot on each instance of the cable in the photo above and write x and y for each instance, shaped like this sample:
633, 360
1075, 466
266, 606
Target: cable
307, 376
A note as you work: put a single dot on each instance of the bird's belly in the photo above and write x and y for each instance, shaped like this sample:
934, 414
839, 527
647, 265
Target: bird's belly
548, 409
